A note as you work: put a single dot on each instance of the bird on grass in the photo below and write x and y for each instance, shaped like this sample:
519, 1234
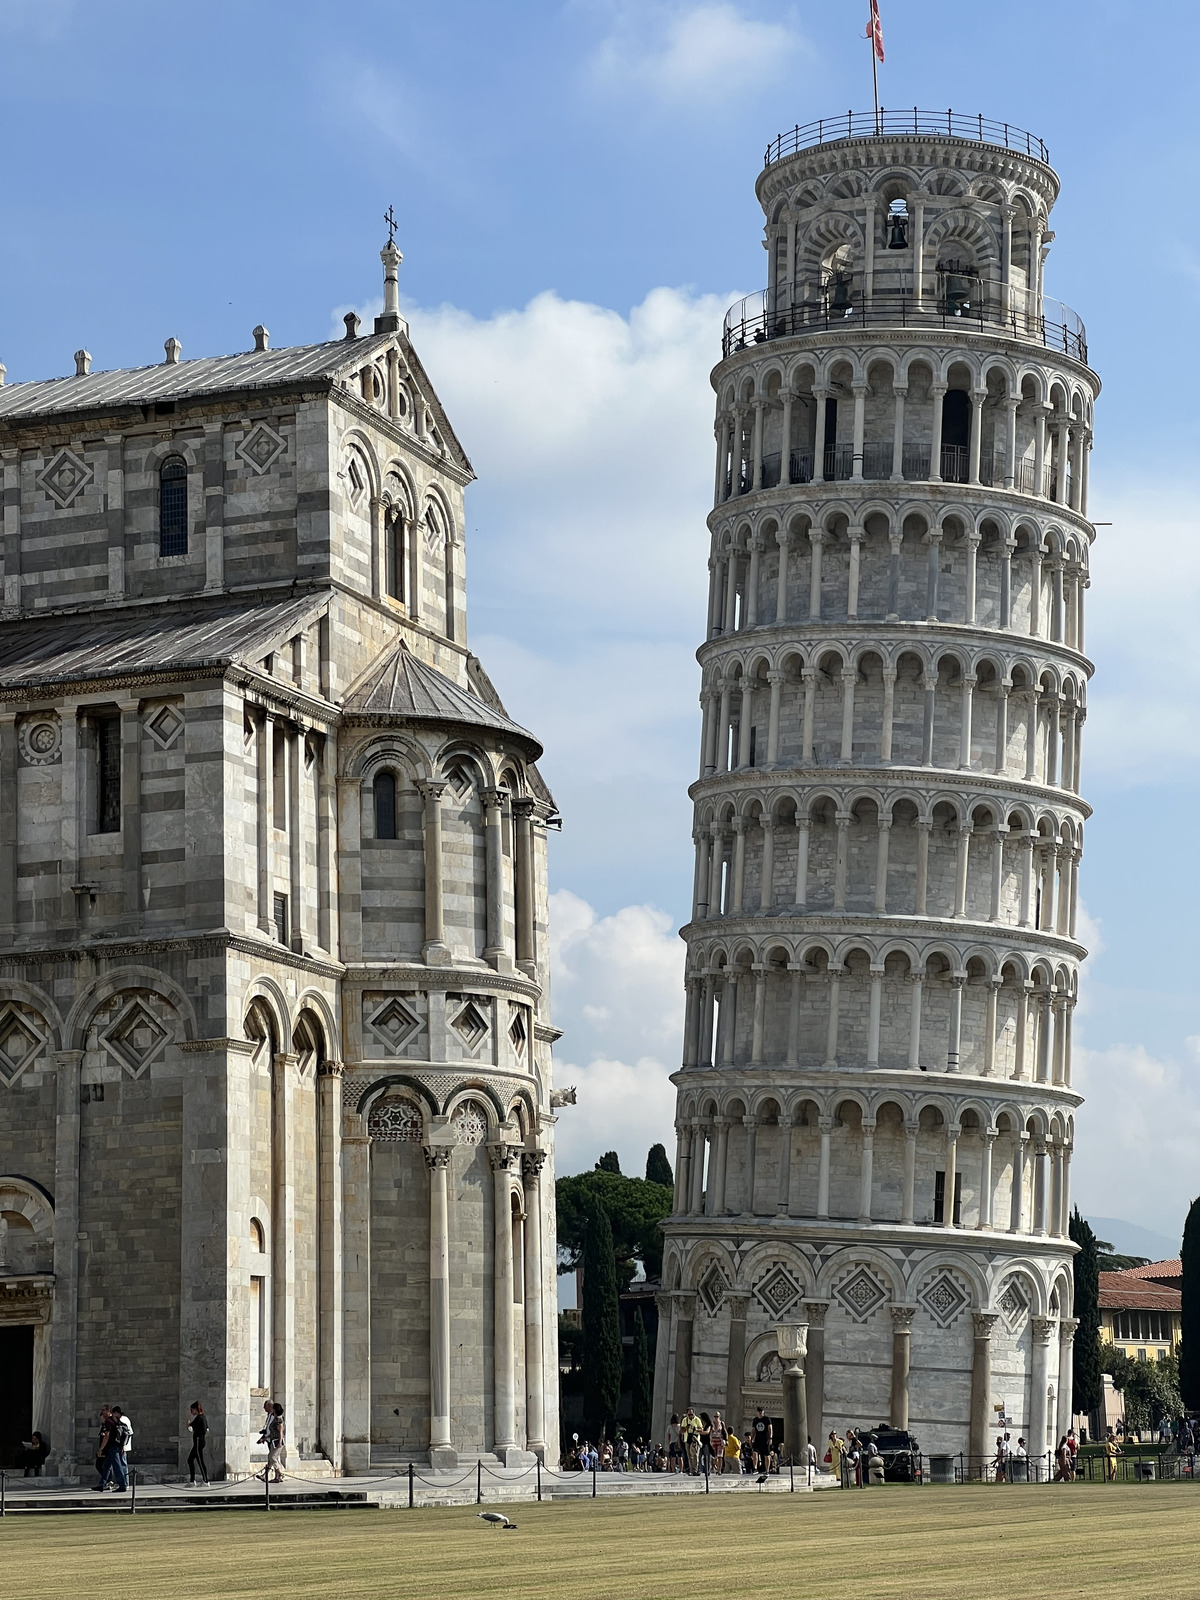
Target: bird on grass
496, 1518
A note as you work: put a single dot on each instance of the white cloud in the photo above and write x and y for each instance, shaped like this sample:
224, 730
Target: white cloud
618, 995
1137, 1134
1144, 708
685, 53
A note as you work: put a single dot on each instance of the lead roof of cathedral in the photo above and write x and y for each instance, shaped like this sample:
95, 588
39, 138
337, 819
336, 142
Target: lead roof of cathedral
401, 685
177, 380
49, 650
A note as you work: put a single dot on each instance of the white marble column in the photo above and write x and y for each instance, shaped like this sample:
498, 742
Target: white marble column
504, 1163
441, 1451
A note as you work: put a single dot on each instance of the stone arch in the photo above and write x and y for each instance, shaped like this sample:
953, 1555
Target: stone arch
131, 978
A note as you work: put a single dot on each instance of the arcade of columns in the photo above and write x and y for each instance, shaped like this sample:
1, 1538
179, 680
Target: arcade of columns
888, 822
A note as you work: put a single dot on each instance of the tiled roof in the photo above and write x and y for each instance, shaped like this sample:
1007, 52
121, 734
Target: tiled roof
1122, 1291
400, 685
49, 650
254, 369
1168, 1272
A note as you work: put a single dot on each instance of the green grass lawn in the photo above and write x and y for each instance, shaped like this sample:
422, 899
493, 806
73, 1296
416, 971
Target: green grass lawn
892, 1543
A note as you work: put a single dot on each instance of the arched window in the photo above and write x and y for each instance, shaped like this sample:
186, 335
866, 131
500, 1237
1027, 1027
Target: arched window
258, 1239
394, 554
385, 805
172, 507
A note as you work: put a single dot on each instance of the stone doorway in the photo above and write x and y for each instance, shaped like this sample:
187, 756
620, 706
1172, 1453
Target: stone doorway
16, 1390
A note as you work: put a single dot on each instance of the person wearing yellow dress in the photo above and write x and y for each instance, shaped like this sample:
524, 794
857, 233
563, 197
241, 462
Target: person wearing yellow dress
837, 1449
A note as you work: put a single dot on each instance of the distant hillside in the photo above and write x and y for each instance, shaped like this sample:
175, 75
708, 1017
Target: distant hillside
1128, 1239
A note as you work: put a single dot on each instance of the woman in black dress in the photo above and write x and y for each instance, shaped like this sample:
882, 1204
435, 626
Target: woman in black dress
198, 1423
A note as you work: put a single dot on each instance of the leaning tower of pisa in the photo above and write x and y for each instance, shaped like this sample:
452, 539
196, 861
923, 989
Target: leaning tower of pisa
875, 1110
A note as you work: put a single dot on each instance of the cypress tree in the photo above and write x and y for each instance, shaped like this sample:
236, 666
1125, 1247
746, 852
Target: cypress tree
601, 1325
1088, 1387
658, 1168
609, 1162
642, 1379
1189, 1347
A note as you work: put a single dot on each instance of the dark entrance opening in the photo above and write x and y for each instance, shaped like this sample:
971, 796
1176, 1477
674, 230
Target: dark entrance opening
16, 1391
956, 435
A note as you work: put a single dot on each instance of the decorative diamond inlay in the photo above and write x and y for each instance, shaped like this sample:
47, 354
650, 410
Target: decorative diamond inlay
164, 726
517, 1033
356, 480
397, 1121
1014, 1307
64, 478
778, 1291
471, 1026
944, 1299
261, 448
136, 1038
20, 1044
395, 1024
712, 1289
469, 1123
460, 784
861, 1294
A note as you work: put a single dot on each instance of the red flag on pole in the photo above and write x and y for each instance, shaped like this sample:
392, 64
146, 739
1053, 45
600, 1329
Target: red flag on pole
875, 30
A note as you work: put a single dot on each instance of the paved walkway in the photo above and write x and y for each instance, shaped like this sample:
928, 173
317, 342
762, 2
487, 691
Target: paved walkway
385, 1491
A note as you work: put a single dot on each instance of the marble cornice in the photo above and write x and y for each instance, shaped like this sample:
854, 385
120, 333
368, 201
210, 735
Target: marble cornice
842, 925
889, 1080
937, 780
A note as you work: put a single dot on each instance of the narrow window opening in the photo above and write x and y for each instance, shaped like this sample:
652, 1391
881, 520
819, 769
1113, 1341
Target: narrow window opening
258, 1333
172, 507
939, 1199
395, 556
281, 918
279, 777
385, 805
108, 775
753, 745
829, 442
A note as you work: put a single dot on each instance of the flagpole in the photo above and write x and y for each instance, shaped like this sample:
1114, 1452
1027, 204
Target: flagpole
875, 80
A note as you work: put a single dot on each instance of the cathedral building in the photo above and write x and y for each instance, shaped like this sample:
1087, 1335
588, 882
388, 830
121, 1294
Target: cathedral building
875, 1107
275, 1048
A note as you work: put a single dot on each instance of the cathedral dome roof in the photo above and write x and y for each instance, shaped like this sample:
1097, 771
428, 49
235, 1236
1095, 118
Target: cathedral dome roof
399, 684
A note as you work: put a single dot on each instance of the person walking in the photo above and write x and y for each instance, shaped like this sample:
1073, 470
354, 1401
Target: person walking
674, 1445
198, 1426
717, 1436
102, 1450
689, 1430
120, 1440
810, 1459
833, 1455
1111, 1451
274, 1435
763, 1438
1001, 1460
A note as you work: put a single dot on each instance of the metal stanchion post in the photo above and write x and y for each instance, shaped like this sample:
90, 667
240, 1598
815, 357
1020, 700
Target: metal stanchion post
132, 1490
478, 1482
706, 1453
3, 1480
539, 1478
410, 1485
593, 1482
267, 1489
792, 1474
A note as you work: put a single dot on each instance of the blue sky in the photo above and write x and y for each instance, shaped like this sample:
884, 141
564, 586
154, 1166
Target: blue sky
574, 184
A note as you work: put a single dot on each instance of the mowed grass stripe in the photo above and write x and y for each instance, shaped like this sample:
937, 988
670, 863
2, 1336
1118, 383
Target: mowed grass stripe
903, 1544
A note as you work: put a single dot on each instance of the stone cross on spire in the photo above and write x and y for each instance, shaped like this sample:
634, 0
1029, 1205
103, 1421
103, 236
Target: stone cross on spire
390, 321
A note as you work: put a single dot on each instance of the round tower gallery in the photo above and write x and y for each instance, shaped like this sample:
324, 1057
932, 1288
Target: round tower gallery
875, 1110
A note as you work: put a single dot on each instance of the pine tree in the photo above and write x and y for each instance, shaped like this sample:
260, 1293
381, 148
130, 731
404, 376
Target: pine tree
601, 1326
1088, 1387
1189, 1348
609, 1162
642, 1379
658, 1168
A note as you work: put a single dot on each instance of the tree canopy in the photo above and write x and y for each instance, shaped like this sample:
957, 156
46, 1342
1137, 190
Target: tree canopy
1149, 1389
602, 1353
610, 1161
1087, 1386
658, 1168
635, 1207
1189, 1348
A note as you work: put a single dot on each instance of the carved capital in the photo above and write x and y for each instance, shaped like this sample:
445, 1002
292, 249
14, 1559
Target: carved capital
437, 1157
1043, 1329
902, 1318
984, 1322
739, 1305
532, 1163
815, 1311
